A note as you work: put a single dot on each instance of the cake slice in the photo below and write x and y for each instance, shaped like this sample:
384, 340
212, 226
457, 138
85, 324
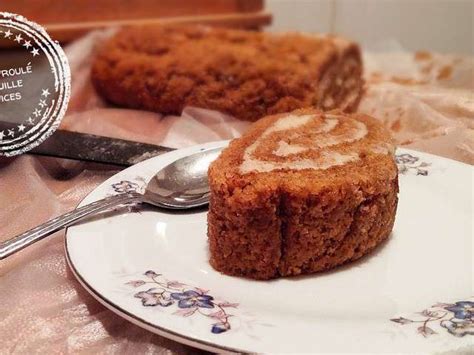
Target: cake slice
241, 73
301, 192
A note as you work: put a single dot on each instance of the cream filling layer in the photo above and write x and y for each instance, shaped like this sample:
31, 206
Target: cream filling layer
327, 159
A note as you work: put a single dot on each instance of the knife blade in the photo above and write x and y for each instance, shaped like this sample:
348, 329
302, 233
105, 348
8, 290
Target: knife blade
99, 149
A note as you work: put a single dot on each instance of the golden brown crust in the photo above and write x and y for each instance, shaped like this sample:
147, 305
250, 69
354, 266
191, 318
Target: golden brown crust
245, 74
289, 222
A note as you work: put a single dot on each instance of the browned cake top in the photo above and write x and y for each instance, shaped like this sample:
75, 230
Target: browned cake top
307, 150
190, 46
163, 68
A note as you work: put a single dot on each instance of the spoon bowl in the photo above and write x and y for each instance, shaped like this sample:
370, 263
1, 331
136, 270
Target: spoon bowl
182, 184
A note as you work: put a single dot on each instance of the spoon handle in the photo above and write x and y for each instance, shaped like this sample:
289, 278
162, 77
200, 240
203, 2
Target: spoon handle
27, 238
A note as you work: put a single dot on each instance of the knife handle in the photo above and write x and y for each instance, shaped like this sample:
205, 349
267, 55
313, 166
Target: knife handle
25, 239
99, 149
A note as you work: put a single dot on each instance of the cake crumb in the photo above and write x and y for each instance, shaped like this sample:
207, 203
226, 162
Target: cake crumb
423, 56
445, 72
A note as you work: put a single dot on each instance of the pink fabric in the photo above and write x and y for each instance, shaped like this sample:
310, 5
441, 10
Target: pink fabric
44, 310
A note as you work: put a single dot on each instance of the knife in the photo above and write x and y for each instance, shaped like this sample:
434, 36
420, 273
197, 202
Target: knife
99, 149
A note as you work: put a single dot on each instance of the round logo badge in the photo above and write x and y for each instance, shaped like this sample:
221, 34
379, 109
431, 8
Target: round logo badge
35, 84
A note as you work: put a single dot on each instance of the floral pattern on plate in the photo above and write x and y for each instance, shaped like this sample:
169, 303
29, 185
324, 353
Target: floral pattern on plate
187, 301
457, 318
408, 163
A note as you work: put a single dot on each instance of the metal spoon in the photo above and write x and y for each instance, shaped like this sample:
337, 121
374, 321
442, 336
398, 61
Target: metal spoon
180, 185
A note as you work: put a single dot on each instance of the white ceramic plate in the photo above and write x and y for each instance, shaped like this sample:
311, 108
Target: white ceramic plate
413, 294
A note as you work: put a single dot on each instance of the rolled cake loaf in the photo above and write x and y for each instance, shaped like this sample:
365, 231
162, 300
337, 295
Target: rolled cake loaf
241, 73
301, 192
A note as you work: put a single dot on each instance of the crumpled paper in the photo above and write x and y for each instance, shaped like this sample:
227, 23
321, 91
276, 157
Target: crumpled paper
426, 100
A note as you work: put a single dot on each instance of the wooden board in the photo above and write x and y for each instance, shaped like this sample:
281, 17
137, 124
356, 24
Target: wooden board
67, 20
61, 11
64, 32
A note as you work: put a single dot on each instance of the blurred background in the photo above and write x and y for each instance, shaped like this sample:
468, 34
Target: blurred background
444, 26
